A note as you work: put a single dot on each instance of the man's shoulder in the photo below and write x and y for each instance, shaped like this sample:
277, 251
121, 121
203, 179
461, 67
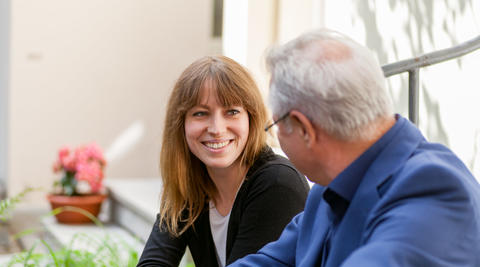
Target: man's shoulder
431, 168
438, 161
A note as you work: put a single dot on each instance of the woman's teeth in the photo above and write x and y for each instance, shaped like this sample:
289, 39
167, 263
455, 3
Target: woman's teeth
217, 145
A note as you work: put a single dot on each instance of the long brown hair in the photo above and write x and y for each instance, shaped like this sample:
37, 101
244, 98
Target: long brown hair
186, 184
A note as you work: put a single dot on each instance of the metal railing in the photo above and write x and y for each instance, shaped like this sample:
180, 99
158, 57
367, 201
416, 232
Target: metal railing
413, 65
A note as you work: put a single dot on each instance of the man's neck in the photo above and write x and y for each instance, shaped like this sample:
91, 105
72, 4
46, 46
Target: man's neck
340, 154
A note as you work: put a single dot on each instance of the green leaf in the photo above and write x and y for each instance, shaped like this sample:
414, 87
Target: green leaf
51, 253
7, 205
68, 183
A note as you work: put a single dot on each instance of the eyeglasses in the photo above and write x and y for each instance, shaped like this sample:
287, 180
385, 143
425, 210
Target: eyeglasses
284, 116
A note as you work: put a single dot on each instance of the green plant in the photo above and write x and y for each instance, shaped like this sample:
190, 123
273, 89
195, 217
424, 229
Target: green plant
8, 204
101, 252
83, 250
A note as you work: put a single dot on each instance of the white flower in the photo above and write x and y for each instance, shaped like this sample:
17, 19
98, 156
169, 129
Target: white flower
83, 187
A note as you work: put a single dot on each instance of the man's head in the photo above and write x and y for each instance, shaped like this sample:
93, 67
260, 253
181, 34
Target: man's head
333, 83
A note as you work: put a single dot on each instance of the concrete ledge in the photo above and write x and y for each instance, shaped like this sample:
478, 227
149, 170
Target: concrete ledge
141, 195
134, 203
80, 236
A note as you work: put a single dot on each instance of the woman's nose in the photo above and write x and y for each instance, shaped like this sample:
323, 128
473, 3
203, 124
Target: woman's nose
217, 125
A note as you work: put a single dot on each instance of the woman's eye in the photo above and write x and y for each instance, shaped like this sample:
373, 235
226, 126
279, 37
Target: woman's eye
199, 114
232, 112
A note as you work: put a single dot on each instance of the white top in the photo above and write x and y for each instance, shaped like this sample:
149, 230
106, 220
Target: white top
219, 228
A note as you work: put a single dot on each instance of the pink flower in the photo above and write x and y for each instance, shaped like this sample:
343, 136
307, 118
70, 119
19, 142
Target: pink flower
63, 152
85, 162
66, 161
92, 172
88, 153
69, 163
57, 166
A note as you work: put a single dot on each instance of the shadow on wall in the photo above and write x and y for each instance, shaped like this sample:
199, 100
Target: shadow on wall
474, 163
420, 15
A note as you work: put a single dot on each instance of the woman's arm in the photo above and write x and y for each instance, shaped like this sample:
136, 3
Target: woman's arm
278, 253
162, 249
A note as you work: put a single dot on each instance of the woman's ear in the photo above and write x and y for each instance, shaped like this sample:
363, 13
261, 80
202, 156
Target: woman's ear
304, 127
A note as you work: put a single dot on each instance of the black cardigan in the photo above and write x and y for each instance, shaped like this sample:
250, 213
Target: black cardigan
271, 195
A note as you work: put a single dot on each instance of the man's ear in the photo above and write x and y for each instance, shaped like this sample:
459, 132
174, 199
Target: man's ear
304, 127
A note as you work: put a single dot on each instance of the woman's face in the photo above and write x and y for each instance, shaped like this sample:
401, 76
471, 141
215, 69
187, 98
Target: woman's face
215, 134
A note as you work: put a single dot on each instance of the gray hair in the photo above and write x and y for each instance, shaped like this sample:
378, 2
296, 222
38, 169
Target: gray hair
334, 81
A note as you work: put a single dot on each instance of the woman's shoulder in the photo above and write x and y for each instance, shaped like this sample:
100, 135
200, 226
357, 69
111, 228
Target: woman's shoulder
267, 158
273, 169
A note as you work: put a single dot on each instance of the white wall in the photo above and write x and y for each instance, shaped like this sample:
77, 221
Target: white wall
100, 71
401, 29
298, 16
4, 64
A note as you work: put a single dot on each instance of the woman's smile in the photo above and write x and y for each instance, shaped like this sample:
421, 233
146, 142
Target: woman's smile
216, 145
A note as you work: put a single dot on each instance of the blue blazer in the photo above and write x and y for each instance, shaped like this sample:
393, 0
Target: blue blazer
417, 205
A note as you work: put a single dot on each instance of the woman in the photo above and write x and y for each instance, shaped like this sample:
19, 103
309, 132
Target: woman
226, 194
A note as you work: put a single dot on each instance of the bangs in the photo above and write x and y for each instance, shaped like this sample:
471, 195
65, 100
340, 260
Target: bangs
231, 84
227, 92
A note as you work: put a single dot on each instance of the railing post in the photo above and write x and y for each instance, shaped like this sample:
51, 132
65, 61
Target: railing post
413, 95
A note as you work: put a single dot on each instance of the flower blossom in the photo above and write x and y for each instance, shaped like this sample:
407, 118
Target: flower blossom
84, 164
90, 172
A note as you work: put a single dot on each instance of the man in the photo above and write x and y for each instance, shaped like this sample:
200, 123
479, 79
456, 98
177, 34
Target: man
384, 196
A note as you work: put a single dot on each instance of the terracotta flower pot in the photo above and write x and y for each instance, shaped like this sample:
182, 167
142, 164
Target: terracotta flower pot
89, 203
